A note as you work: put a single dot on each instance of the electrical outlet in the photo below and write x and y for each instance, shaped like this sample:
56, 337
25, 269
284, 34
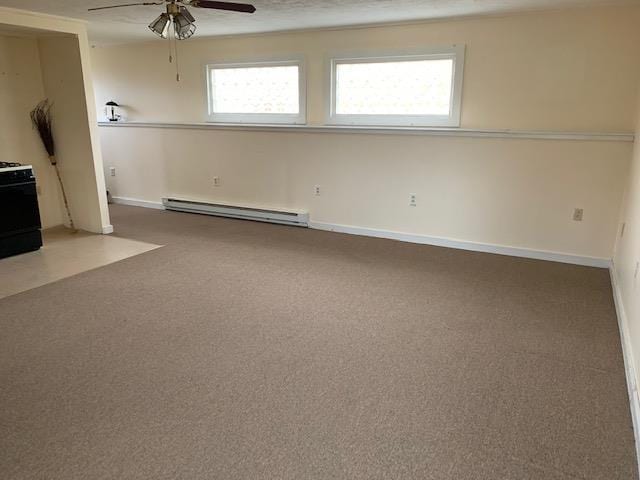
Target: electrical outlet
112, 171
413, 202
216, 181
316, 190
577, 214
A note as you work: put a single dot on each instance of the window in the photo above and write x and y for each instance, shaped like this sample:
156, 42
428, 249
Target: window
418, 89
263, 92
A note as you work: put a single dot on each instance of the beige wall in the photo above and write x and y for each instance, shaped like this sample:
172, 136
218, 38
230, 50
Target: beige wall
64, 86
559, 71
573, 70
21, 89
56, 54
508, 192
628, 255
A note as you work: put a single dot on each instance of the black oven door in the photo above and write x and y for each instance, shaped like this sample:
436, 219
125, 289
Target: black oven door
19, 207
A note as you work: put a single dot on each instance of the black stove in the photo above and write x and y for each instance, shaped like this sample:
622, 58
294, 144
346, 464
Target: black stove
9, 164
20, 218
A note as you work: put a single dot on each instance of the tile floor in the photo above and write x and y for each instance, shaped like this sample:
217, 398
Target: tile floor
64, 254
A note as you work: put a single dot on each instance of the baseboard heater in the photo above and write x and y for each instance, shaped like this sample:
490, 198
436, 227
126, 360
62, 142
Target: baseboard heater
295, 218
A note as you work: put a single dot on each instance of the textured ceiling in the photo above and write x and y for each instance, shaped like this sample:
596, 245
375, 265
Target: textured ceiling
129, 24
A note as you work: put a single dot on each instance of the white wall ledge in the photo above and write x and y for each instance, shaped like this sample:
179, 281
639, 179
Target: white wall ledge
441, 132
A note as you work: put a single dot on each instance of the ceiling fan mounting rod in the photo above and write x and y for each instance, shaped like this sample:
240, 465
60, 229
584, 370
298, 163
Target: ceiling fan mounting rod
172, 8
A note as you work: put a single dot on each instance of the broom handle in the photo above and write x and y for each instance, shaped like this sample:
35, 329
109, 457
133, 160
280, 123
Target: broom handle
64, 194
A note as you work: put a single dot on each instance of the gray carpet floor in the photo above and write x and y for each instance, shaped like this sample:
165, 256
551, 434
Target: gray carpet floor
242, 350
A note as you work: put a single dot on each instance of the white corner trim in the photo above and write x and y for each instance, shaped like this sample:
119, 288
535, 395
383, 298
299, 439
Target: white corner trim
134, 202
384, 130
627, 353
107, 229
40, 15
466, 245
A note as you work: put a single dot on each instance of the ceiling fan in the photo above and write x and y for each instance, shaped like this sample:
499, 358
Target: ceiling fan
178, 20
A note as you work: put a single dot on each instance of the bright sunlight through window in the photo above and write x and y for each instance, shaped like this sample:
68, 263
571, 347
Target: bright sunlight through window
394, 88
398, 90
256, 93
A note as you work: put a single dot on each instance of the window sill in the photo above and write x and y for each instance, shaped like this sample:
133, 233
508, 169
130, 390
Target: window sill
384, 130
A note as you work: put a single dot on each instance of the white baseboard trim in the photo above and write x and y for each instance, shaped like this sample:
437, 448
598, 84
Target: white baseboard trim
629, 364
107, 229
466, 245
425, 239
134, 202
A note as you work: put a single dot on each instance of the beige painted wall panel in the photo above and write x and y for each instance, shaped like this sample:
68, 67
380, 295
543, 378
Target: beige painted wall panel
20, 90
570, 70
499, 191
64, 86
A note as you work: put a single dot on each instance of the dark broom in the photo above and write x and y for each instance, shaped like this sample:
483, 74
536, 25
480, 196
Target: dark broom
41, 119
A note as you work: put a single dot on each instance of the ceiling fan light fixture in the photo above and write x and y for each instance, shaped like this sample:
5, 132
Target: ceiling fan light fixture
183, 24
160, 26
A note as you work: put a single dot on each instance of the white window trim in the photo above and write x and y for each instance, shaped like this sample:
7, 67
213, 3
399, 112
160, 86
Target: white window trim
454, 52
260, 118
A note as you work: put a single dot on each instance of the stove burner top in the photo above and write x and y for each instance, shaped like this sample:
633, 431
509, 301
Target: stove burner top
9, 164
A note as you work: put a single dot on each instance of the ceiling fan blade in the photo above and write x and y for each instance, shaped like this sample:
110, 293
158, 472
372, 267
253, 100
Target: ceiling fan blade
233, 7
125, 5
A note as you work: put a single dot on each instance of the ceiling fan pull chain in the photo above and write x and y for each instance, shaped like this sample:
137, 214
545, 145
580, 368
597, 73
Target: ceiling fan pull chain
175, 41
170, 46
178, 18
172, 36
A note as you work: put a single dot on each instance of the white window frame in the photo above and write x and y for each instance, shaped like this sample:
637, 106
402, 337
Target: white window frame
454, 52
260, 118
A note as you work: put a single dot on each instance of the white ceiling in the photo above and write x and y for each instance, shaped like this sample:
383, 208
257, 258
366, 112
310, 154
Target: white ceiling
130, 24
